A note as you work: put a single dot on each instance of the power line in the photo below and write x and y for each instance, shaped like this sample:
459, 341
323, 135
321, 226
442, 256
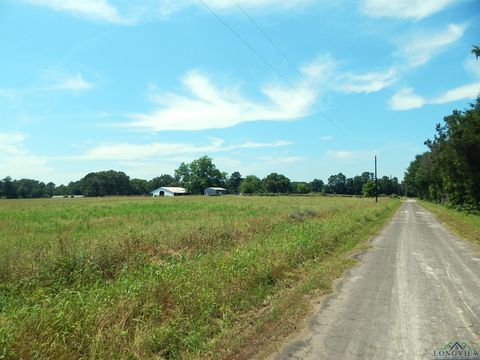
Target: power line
264, 60
246, 43
279, 50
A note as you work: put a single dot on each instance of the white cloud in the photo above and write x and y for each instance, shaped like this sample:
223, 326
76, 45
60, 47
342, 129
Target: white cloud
322, 69
367, 82
51, 81
129, 152
416, 9
127, 13
405, 99
341, 154
419, 49
207, 106
325, 72
349, 154
16, 161
226, 4
466, 92
11, 143
97, 10
73, 83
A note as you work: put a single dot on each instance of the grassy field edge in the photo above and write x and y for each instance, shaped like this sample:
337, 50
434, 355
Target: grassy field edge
464, 224
127, 279
264, 331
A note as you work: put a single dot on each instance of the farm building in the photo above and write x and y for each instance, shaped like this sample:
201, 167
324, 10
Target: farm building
169, 191
212, 191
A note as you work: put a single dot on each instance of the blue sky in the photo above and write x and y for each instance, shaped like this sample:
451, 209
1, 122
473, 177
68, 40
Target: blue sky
301, 87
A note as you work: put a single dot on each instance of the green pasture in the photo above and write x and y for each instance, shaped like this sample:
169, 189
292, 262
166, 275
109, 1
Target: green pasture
143, 278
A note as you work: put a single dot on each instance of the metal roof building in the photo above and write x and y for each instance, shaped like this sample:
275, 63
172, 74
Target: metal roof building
212, 191
169, 191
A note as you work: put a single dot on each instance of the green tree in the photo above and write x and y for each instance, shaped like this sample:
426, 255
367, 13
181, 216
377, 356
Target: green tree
337, 184
368, 189
317, 185
199, 175
450, 170
251, 185
233, 182
302, 188
162, 180
105, 183
139, 187
276, 183
9, 190
476, 51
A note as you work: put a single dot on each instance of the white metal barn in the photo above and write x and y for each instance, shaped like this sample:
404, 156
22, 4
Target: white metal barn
212, 191
169, 191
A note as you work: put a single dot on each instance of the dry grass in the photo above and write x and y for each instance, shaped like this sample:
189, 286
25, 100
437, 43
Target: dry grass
166, 278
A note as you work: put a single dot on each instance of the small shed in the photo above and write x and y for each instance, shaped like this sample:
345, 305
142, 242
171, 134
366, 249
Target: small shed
215, 191
169, 191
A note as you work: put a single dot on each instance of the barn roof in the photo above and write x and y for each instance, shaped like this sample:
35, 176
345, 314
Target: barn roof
217, 188
172, 189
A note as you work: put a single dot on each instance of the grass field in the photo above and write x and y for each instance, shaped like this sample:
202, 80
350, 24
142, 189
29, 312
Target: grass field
465, 224
184, 278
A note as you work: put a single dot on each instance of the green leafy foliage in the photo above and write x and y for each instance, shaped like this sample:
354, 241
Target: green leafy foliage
450, 171
251, 185
199, 175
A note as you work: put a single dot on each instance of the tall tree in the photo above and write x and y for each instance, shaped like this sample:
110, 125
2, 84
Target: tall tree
317, 185
9, 190
199, 175
337, 184
233, 182
276, 183
251, 185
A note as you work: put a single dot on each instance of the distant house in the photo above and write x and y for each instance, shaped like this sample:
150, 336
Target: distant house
169, 191
68, 196
212, 191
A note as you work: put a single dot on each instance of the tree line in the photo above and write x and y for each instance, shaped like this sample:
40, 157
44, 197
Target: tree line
449, 172
195, 177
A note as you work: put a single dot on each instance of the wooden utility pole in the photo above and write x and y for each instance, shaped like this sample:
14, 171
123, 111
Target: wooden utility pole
376, 180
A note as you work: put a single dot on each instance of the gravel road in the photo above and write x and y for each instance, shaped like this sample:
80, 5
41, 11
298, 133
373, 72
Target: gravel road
417, 290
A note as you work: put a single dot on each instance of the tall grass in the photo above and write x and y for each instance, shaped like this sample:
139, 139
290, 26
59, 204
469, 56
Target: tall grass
157, 278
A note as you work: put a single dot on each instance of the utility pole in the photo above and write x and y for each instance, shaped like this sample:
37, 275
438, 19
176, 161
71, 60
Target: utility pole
376, 180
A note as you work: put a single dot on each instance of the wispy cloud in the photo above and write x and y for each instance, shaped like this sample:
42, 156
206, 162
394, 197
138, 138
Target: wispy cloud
128, 13
466, 92
366, 83
12, 143
73, 83
17, 161
97, 10
341, 154
51, 82
348, 154
419, 49
209, 106
416, 9
129, 152
406, 99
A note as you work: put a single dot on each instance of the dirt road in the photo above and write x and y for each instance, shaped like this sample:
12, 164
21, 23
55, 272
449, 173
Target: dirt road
417, 290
